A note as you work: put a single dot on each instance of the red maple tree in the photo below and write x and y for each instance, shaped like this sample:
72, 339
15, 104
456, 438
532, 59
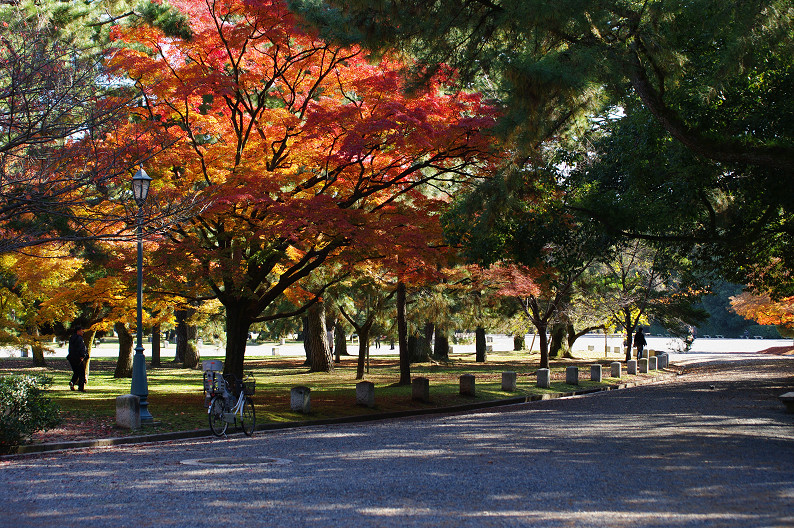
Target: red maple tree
305, 153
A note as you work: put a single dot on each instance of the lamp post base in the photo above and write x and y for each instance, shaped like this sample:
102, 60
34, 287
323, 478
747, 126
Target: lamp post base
139, 384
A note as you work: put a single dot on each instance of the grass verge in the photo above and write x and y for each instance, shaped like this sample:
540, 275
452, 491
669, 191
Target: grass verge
176, 395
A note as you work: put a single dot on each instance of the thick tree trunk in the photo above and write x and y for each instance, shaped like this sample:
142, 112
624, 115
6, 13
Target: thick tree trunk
187, 351
180, 340
629, 337
479, 345
37, 350
124, 363
557, 338
425, 349
402, 336
306, 345
88, 339
340, 340
156, 345
238, 324
441, 345
321, 357
543, 343
363, 348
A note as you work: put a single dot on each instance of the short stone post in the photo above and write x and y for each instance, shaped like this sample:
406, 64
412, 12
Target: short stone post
616, 368
631, 367
420, 390
365, 394
595, 373
572, 375
653, 363
664, 360
544, 378
509, 381
128, 411
300, 399
643, 366
467, 385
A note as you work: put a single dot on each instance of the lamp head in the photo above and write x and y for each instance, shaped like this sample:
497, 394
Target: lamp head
140, 186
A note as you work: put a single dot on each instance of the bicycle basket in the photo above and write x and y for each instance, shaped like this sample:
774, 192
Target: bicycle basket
249, 386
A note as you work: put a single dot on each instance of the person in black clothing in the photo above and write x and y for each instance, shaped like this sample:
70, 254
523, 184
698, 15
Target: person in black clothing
77, 357
639, 342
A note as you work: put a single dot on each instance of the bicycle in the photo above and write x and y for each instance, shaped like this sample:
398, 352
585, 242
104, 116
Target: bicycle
230, 398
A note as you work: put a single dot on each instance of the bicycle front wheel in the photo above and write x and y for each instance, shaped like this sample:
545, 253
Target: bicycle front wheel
217, 423
248, 420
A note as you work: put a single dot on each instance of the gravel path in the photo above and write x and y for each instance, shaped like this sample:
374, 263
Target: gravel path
672, 454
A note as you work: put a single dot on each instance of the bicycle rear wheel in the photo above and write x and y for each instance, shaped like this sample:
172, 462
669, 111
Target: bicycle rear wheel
248, 420
217, 423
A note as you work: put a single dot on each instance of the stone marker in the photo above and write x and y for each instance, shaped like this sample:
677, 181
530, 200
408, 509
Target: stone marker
653, 363
365, 394
788, 401
544, 378
300, 399
643, 366
128, 411
595, 373
631, 366
616, 368
420, 390
572, 375
467, 385
664, 360
509, 381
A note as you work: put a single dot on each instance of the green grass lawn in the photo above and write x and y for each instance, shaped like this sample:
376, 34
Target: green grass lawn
176, 398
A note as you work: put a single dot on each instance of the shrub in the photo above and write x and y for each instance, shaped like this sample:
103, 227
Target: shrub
24, 409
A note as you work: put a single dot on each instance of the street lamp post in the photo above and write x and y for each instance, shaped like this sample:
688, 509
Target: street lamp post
140, 388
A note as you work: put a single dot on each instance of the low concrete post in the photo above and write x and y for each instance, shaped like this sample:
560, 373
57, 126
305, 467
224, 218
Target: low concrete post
653, 363
544, 378
664, 360
572, 375
365, 394
128, 411
595, 373
300, 399
788, 400
420, 389
509, 381
643, 366
616, 369
631, 367
467, 385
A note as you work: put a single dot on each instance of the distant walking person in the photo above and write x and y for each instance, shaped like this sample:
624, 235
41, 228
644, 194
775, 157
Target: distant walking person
77, 357
639, 342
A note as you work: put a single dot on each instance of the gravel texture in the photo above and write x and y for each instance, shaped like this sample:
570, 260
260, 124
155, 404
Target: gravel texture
678, 453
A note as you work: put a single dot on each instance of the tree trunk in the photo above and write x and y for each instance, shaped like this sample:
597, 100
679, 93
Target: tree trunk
156, 345
441, 345
426, 346
363, 348
543, 343
340, 340
557, 337
37, 350
181, 335
519, 342
238, 324
629, 337
481, 353
306, 345
124, 363
402, 336
88, 339
192, 355
321, 357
